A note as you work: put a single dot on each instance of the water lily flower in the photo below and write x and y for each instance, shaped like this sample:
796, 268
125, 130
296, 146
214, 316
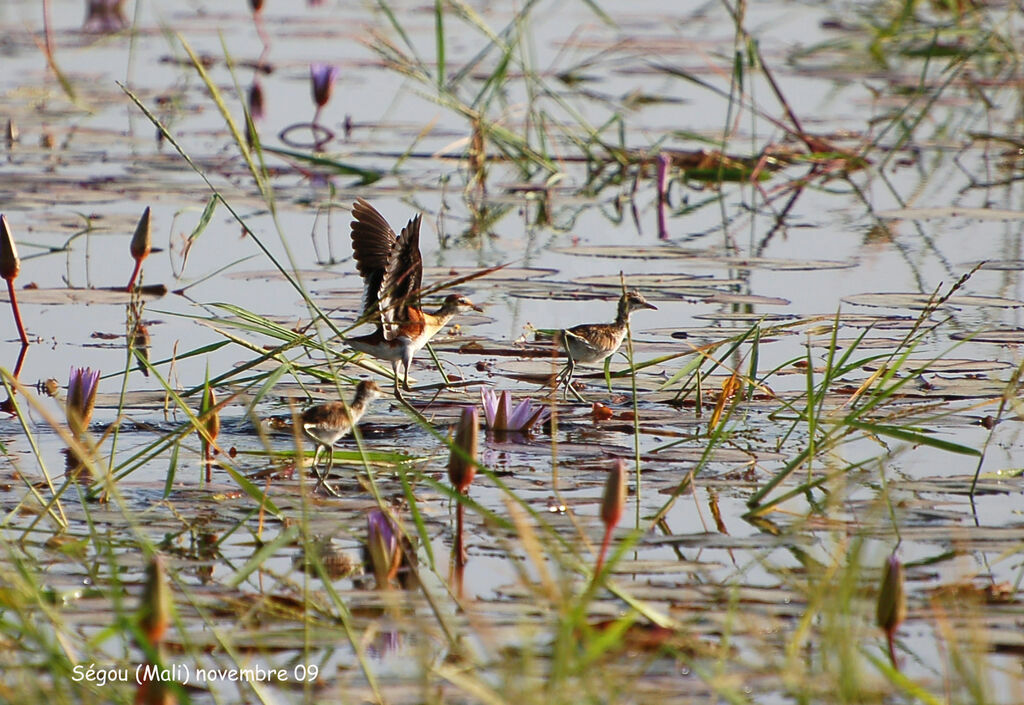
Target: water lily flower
322, 76
82, 386
502, 417
141, 245
382, 546
10, 265
892, 604
613, 503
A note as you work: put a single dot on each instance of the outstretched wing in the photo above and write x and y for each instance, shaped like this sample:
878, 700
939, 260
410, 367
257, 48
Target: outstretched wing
390, 265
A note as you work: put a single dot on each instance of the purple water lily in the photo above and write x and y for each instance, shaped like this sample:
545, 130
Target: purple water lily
382, 545
82, 386
502, 417
323, 76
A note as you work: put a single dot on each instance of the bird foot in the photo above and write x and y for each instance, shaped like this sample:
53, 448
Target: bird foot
570, 387
324, 485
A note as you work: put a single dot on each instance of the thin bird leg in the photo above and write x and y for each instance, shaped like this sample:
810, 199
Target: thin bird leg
394, 377
316, 463
406, 364
570, 367
568, 382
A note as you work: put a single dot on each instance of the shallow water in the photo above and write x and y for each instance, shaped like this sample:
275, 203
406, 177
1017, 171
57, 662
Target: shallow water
914, 222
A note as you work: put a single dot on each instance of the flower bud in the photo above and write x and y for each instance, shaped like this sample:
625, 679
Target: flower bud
322, 76
256, 109
207, 410
82, 387
892, 605
462, 465
10, 265
382, 547
143, 237
614, 500
155, 607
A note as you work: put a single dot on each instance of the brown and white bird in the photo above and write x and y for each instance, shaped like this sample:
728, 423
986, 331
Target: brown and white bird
392, 272
327, 423
588, 343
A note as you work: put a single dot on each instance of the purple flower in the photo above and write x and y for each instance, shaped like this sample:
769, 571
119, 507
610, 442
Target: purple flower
82, 387
323, 76
382, 545
502, 417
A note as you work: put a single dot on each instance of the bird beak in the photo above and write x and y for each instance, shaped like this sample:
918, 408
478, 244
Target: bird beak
476, 308
650, 306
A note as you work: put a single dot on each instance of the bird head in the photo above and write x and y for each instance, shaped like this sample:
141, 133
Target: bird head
456, 303
633, 300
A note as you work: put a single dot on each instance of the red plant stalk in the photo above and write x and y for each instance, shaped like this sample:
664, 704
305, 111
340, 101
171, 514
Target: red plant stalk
135, 274
17, 312
460, 545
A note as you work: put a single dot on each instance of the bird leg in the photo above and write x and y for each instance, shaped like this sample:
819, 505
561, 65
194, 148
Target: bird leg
406, 364
394, 377
570, 368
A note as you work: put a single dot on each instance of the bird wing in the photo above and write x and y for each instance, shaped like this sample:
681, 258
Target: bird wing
400, 286
390, 265
372, 243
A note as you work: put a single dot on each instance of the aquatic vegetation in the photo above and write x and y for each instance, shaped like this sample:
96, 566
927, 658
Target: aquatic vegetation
83, 383
382, 547
500, 416
613, 503
811, 388
10, 265
322, 80
892, 603
141, 245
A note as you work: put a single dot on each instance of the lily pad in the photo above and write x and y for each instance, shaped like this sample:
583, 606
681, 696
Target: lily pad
921, 301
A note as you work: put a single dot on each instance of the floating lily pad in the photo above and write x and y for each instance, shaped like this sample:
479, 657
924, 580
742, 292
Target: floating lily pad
921, 301
743, 299
109, 296
752, 317
950, 365
951, 212
700, 258
667, 282
997, 335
